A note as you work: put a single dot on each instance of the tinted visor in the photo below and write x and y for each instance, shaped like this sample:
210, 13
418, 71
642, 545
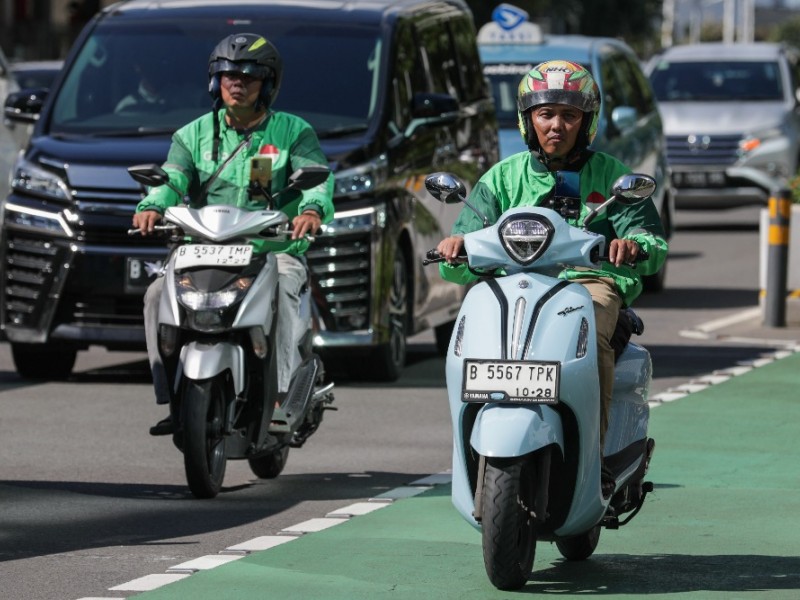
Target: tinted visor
246, 68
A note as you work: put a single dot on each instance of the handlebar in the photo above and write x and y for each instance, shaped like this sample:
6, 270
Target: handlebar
155, 227
433, 256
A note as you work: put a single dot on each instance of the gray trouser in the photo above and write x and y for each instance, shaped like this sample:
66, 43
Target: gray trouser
292, 276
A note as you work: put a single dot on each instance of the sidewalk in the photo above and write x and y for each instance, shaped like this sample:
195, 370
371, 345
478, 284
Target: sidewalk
723, 521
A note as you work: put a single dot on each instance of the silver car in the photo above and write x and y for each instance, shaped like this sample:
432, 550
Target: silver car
731, 120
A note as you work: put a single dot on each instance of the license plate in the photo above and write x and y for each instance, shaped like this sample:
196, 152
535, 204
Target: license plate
511, 381
139, 272
699, 179
212, 255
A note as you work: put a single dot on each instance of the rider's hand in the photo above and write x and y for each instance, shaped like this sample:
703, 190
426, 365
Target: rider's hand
622, 251
450, 247
308, 222
146, 221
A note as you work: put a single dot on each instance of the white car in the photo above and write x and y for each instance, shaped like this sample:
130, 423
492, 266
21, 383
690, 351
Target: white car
731, 120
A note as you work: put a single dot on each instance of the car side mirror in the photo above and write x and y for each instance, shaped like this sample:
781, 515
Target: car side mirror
430, 109
623, 117
25, 106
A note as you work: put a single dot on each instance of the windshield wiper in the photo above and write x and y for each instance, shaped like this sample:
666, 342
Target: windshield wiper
341, 131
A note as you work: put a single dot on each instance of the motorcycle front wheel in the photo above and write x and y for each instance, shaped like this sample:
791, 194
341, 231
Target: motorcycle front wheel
580, 547
204, 456
507, 521
269, 466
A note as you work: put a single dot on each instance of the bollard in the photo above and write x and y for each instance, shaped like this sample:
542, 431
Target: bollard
777, 258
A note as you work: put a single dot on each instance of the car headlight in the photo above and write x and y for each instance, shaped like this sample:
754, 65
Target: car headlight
197, 300
359, 220
750, 142
32, 179
525, 237
361, 179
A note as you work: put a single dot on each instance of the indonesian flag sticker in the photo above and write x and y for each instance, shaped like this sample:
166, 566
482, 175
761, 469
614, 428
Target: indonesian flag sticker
270, 151
595, 198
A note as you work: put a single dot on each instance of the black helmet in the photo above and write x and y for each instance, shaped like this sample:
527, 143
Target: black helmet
247, 53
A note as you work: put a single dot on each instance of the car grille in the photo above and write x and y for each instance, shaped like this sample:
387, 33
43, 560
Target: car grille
31, 266
340, 265
716, 150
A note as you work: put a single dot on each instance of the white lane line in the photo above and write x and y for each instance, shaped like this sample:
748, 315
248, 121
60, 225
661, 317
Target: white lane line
204, 563
149, 582
707, 328
719, 376
264, 542
231, 553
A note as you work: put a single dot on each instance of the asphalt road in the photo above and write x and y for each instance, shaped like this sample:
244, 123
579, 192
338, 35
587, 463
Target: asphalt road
90, 500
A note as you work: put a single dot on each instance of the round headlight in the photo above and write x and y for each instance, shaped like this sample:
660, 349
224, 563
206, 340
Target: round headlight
525, 238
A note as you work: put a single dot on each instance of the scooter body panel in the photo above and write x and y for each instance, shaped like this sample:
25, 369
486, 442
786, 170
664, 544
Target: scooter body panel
534, 317
507, 430
201, 361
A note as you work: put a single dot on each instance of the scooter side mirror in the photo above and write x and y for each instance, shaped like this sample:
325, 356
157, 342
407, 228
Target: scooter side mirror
308, 177
150, 174
629, 190
446, 187
633, 188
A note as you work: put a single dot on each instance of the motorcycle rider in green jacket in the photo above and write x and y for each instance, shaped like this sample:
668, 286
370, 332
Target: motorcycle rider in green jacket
558, 106
212, 154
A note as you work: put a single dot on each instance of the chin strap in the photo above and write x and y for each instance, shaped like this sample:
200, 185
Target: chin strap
215, 150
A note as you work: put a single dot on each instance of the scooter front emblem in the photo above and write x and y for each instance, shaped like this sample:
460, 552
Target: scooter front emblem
523, 284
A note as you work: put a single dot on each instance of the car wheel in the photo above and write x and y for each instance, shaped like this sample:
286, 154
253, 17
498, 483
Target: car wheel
39, 361
388, 360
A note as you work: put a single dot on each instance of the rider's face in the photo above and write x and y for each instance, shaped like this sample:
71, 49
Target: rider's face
557, 127
239, 90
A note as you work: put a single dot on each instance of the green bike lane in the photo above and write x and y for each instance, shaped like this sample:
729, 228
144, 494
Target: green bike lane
722, 522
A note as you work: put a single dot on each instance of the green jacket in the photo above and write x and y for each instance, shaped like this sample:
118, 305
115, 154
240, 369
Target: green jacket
521, 180
189, 166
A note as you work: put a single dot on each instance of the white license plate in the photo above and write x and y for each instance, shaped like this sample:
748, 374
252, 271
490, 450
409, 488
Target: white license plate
698, 179
212, 255
511, 381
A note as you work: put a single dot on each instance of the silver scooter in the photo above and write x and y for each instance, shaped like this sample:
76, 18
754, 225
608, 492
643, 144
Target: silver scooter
216, 337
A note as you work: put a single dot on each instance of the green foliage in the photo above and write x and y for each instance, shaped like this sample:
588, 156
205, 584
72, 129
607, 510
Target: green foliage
788, 31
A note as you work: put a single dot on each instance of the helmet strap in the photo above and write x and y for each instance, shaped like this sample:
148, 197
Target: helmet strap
215, 150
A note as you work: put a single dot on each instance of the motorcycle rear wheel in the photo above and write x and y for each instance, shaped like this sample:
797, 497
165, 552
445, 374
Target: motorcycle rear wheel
204, 456
270, 465
580, 547
507, 522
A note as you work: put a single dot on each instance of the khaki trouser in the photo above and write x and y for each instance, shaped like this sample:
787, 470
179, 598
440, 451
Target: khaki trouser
607, 304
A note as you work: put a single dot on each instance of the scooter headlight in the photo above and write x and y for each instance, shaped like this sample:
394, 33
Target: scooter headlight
193, 299
525, 237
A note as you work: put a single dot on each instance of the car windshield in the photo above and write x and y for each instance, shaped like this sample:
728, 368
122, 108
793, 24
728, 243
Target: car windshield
504, 79
731, 81
119, 85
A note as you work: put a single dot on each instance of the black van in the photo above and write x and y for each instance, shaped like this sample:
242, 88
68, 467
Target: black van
394, 89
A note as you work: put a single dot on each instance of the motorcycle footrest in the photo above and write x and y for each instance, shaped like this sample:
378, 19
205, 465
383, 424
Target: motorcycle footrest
300, 391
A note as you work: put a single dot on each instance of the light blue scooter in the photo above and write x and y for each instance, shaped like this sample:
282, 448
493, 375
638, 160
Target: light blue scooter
522, 381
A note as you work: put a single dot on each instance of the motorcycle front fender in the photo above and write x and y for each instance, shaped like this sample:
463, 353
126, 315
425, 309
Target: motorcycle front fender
202, 361
507, 431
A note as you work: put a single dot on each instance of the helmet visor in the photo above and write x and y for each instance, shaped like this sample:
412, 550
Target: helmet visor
580, 101
252, 69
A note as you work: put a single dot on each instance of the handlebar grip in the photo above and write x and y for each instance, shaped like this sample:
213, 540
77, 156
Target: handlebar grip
432, 256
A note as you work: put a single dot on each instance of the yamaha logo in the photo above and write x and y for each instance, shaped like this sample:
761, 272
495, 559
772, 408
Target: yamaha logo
697, 143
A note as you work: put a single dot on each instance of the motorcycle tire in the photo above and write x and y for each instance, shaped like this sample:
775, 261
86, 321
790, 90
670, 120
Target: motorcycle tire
204, 456
507, 523
579, 547
270, 465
